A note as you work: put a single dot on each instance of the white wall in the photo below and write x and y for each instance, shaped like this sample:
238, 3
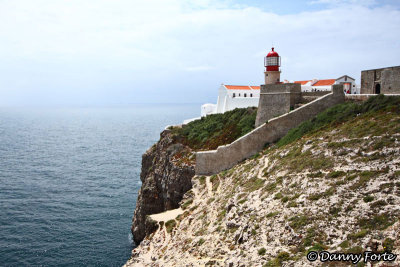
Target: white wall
241, 102
208, 109
353, 87
307, 88
226, 101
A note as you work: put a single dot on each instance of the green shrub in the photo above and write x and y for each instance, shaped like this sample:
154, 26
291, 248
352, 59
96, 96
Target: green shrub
318, 247
277, 262
368, 198
217, 129
378, 222
169, 225
335, 174
298, 221
359, 234
344, 244
388, 244
187, 204
261, 251
201, 242
272, 214
341, 113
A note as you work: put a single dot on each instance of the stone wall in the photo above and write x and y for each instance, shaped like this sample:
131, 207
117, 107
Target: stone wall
317, 93
387, 78
225, 157
277, 99
363, 97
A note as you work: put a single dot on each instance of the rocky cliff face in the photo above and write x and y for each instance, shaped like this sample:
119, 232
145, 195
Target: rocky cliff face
336, 189
167, 170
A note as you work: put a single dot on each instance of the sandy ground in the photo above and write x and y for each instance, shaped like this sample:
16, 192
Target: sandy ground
167, 215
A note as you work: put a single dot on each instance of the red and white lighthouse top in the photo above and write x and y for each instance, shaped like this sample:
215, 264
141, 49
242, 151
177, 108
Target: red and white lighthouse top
273, 53
272, 61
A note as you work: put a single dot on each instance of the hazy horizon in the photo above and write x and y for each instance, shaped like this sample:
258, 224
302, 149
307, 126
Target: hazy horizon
102, 53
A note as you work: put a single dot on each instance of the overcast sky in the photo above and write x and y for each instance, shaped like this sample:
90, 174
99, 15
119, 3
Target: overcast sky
107, 52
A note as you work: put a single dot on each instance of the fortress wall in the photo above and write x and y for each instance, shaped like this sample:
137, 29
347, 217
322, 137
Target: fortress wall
364, 97
225, 157
317, 93
388, 78
276, 99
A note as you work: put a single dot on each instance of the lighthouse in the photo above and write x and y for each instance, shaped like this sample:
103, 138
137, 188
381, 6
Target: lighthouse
272, 62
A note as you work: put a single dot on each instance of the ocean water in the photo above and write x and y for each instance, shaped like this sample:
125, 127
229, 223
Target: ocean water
69, 179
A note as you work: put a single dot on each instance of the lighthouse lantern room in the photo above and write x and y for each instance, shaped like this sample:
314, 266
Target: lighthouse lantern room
272, 62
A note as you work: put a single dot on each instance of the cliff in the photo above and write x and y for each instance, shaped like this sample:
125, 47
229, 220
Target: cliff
168, 166
167, 170
333, 183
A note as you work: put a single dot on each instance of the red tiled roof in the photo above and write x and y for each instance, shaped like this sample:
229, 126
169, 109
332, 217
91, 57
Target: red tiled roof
324, 82
237, 87
301, 82
241, 87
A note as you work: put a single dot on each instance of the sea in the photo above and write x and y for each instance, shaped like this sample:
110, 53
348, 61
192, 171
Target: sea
69, 180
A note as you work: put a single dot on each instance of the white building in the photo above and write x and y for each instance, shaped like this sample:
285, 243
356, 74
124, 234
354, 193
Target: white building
231, 97
313, 85
242, 96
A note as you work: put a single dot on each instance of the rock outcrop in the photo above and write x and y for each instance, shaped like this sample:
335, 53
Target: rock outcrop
335, 189
167, 170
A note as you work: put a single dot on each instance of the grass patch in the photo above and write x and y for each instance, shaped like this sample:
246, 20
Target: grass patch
345, 244
215, 182
336, 174
341, 113
365, 176
253, 184
272, 214
169, 225
299, 221
277, 262
368, 198
202, 180
217, 129
388, 244
359, 234
378, 204
187, 204
285, 199
318, 247
378, 222
261, 251
315, 174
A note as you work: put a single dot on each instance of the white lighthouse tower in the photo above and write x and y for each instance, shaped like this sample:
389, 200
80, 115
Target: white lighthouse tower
272, 62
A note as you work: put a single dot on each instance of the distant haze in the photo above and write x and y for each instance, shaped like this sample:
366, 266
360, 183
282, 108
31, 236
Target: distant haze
107, 52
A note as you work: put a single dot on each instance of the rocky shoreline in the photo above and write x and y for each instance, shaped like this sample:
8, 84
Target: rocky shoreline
166, 174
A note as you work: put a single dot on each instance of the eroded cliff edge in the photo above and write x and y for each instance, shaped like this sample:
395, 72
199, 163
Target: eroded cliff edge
167, 170
333, 184
168, 166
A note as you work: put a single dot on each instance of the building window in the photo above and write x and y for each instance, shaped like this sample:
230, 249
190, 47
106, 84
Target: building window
251, 95
233, 95
239, 94
245, 95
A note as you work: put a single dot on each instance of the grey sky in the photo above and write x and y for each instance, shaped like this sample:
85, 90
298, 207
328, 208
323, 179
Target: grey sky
90, 52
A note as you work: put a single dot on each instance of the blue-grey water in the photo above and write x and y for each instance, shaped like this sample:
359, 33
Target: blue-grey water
69, 179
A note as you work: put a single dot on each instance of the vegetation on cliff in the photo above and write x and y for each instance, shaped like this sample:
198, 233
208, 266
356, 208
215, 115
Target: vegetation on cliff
217, 129
330, 184
342, 113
